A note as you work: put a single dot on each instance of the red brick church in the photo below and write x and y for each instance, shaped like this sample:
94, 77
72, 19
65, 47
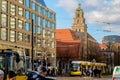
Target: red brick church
74, 44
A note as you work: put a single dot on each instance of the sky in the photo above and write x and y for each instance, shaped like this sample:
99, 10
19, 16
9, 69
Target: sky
101, 16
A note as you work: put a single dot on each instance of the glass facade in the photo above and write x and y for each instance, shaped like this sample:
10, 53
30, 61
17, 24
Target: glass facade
16, 22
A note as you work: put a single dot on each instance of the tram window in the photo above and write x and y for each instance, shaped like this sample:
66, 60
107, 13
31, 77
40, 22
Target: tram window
75, 66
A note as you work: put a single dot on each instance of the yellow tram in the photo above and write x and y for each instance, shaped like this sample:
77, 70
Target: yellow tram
77, 67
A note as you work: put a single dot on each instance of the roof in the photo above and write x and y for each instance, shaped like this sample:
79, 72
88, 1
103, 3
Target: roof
103, 46
89, 36
65, 35
41, 2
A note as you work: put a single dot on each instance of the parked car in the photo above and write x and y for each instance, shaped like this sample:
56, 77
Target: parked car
116, 73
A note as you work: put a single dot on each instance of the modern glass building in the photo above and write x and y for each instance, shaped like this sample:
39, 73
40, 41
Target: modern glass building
111, 39
16, 24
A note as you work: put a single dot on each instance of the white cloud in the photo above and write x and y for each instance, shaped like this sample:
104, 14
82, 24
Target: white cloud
68, 5
104, 11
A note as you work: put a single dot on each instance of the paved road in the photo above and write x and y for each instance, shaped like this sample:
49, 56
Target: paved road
84, 78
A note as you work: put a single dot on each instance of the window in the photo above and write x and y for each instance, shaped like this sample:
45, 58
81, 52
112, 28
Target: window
20, 24
44, 23
49, 14
3, 33
41, 22
53, 44
27, 38
27, 3
12, 36
49, 24
4, 20
44, 12
19, 36
53, 17
34, 18
38, 30
33, 6
27, 26
78, 15
78, 21
20, 11
48, 43
27, 14
53, 35
49, 34
34, 29
43, 33
53, 26
39, 9
12, 9
117, 70
38, 21
12, 22
4, 5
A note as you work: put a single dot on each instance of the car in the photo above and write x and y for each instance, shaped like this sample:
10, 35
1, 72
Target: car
116, 73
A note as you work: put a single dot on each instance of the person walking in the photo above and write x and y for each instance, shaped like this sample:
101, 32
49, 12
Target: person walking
90, 72
38, 75
12, 75
1, 75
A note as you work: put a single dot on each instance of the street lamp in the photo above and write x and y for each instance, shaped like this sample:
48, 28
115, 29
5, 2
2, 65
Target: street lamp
32, 54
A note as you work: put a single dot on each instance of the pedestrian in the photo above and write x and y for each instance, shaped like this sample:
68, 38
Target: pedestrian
43, 73
12, 75
90, 71
100, 71
95, 72
1, 75
38, 75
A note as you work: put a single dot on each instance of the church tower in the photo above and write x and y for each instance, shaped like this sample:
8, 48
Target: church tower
80, 29
79, 21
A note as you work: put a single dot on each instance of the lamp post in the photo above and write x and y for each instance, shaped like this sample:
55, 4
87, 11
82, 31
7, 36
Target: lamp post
32, 54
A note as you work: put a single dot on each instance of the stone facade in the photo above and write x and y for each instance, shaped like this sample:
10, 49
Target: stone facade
80, 29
